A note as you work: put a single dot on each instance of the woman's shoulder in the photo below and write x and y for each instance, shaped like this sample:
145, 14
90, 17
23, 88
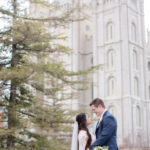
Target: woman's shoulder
82, 133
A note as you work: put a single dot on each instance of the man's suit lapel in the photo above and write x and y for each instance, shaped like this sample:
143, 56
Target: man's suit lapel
97, 127
100, 124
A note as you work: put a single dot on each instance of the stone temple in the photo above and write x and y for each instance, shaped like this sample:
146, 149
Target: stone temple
114, 37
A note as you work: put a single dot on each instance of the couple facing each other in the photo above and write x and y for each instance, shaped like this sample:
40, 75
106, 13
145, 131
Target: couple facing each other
105, 132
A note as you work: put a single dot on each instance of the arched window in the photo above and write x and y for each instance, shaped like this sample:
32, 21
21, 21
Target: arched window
107, 1
136, 87
149, 91
133, 32
111, 86
110, 31
135, 60
138, 116
111, 59
138, 141
112, 110
148, 66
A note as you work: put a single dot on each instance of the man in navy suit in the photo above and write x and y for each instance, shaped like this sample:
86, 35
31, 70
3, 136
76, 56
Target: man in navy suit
106, 128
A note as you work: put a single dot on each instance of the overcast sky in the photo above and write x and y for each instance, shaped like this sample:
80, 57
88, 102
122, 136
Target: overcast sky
147, 14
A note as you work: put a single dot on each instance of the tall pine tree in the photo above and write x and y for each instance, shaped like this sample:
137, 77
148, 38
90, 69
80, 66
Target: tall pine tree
35, 84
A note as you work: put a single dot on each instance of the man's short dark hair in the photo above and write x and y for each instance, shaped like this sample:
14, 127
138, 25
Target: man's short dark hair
96, 102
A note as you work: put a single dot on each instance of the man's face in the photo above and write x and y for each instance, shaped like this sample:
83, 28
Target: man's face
97, 110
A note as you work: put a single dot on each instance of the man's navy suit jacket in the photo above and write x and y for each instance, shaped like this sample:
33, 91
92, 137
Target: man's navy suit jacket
106, 132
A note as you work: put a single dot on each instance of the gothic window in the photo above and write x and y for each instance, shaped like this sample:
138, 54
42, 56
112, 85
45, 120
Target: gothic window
138, 116
133, 32
111, 59
149, 66
139, 141
112, 110
92, 60
134, 1
136, 87
92, 90
107, 1
134, 59
87, 28
111, 86
149, 91
110, 31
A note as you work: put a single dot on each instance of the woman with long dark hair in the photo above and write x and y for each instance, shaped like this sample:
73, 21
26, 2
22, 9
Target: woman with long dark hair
82, 139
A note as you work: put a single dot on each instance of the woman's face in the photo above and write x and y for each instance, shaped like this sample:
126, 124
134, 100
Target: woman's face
88, 120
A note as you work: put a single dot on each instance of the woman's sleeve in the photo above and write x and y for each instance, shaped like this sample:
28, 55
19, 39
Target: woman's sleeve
82, 140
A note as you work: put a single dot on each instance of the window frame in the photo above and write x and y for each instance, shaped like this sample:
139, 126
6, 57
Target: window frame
111, 86
133, 32
136, 86
109, 31
111, 59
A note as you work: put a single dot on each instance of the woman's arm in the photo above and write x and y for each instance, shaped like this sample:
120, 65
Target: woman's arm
82, 139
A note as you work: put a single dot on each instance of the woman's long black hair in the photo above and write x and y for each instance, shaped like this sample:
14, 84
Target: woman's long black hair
81, 120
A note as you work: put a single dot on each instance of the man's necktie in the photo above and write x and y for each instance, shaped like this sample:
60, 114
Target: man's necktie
99, 122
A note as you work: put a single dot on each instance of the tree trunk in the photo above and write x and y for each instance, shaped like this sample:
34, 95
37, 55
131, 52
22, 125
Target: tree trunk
12, 119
